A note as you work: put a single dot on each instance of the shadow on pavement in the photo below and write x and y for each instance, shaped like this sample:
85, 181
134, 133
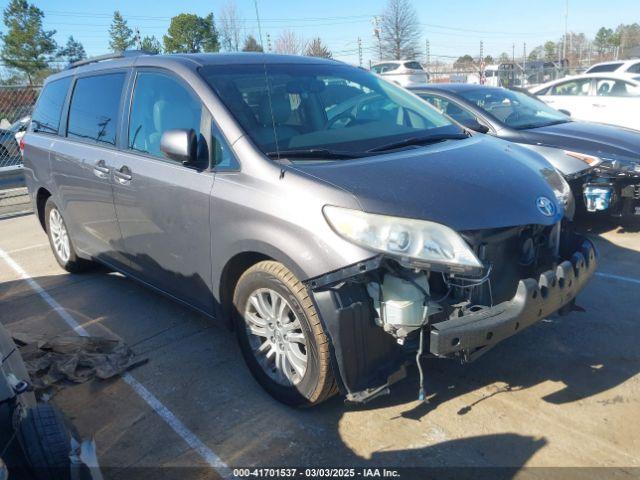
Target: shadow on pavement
588, 353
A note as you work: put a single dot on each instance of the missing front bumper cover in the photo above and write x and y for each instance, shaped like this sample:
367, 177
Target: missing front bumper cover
366, 358
534, 300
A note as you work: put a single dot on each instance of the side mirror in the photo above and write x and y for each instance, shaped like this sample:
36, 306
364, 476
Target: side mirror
473, 124
180, 145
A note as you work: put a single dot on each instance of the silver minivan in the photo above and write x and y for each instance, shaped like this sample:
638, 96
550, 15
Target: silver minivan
342, 226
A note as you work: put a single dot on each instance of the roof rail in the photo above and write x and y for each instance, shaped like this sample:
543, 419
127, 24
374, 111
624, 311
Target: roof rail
108, 56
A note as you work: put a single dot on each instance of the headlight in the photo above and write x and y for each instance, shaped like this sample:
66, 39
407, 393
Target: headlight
559, 185
403, 237
588, 159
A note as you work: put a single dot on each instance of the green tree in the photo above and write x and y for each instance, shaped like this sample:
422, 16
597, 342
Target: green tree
504, 58
120, 33
536, 54
463, 63
489, 60
318, 49
550, 51
73, 51
604, 41
251, 45
189, 33
27, 47
151, 45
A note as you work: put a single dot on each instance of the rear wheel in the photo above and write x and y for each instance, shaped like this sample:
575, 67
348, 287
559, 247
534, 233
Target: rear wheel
281, 337
61, 242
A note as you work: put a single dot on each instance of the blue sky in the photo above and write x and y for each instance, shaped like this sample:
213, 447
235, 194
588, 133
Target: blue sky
453, 28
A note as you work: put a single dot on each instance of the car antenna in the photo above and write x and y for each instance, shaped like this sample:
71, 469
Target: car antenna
266, 81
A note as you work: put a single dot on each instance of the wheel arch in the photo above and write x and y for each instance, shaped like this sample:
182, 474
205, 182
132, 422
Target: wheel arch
240, 262
42, 196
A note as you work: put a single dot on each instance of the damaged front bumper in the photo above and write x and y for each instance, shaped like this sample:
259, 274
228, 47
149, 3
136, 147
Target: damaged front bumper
473, 334
366, 359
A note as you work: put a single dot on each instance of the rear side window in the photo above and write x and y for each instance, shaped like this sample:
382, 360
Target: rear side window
160, 103
635, 68
46, 116
413, 65
93, 114
608, 67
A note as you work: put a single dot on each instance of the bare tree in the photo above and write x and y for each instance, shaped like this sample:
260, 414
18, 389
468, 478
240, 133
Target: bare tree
230, 26
400, 30
316, 48
289, 42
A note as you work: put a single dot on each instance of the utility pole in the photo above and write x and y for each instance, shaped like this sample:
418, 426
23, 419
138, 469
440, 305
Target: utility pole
566, 30
482, 65
513, 52
428, 53
359, 51
376, 33
524, 63
137, 41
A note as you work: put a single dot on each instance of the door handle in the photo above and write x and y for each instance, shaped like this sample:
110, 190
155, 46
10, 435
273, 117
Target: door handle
122, 175
599, 105
100, 169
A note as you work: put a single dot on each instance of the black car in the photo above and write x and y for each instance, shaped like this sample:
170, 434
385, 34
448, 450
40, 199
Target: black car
601, 162
9, 142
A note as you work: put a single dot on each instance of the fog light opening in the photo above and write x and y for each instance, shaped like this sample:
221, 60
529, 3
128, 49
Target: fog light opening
597, 198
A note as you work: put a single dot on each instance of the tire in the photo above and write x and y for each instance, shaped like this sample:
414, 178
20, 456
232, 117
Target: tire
67, 259
46, 442
300, 324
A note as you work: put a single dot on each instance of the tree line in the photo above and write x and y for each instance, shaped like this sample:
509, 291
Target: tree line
30, 52
574, 50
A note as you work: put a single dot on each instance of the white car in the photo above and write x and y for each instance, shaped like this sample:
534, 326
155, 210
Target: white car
618, 66
612, 98
403, 72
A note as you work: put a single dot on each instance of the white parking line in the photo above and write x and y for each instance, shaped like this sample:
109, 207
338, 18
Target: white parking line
24, 249
167, 415
618, 277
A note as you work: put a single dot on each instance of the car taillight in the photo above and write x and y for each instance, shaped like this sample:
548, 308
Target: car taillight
21, 145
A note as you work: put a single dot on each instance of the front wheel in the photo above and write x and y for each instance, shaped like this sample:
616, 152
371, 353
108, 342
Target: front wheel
281, 337
61, 242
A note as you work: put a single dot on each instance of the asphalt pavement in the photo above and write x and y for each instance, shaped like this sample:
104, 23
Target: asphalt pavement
563, 393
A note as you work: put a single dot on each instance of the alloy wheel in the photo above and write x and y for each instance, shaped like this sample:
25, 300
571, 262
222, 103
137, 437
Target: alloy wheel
59, 235
276, 337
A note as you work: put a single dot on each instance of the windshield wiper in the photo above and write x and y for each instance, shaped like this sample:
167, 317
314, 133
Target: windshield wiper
527, 126
313, 153
407, 142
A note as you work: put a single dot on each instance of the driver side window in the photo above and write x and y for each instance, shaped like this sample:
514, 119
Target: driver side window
572, 88
160, 103
451, 109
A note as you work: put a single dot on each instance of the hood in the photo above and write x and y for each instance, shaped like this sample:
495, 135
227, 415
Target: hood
470, 184
585, 137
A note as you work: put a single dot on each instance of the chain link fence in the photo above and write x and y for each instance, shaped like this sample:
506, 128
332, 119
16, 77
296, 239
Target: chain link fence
16, 104
505, 75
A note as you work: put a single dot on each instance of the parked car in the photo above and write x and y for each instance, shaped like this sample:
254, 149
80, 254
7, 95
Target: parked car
611, 98
338, 244
402, 72
10, 141
600, 162
618, 66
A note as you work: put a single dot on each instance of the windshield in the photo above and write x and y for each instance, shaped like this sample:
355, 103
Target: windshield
514, 109
19, 125
322, 107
